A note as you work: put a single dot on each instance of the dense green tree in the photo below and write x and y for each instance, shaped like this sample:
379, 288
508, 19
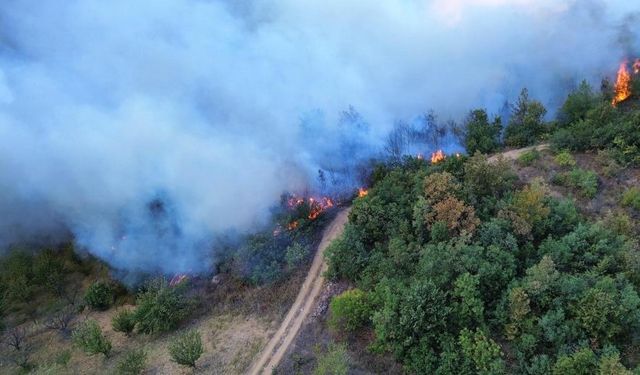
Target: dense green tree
480, 134
526, 125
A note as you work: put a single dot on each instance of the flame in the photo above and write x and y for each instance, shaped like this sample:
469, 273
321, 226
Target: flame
318, 206
362, 192
636, 66
623, 85
437, 157
292, 225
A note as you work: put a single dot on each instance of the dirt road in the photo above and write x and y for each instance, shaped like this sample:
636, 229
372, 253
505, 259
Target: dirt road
302, 306
514, 154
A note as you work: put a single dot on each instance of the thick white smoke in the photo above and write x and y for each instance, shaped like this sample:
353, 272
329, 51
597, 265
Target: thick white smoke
145, 128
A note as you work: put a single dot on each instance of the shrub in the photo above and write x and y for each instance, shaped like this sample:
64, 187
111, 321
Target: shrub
63, 358
99, 295
160, 307
586, 182
124, 321
482, 351
582, 362
631, 198
334, 362
88, 336
349, 310
186, 348
295, 254
133, 363
527, 158
565, 159
578, 104
606, 159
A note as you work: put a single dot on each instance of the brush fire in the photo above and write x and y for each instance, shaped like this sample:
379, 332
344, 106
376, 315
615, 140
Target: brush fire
437, 157
622, 88
362, 192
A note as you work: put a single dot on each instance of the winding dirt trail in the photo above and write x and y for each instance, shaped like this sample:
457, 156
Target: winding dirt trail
286, 333
514, 154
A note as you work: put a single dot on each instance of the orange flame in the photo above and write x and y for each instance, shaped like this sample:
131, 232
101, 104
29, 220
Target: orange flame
362, 192
623, 85
437, 157
318, 206
292, 225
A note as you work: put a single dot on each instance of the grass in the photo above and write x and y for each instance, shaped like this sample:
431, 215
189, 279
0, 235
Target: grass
584, 181
631, 198
565, 159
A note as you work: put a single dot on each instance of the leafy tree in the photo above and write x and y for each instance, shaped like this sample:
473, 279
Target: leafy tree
469, 306
133, 363
349, 310
124, 321
484, 352
526, 125
186, 348
578, 104
598, 313
160, 307
88, 336
99, 295
480, 135
582, 362
610, 365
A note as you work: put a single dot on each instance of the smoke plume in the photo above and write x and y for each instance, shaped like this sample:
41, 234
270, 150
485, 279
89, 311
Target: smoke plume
146, 128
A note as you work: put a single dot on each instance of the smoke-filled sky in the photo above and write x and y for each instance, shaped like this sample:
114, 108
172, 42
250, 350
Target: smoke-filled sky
214, 108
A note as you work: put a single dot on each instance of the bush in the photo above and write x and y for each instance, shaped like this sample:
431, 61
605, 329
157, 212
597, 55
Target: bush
186, 348
585, 181
631, 198
99, 295
480, 135
124, 321
565, 159
578, 104
334, 362
527, 158
295, 254
133, 363
88, 336
349, 311
160, 307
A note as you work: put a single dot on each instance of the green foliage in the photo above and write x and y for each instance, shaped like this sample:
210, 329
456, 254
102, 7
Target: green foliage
565, 159
585, 181
88, 336
335, 361
468, 306
527, 158
526, 125
481, 135
160, 307
132, 363
295, 254
582, 362
631, 198
99, 295
63, 358
349, 311
578, 104
186, 348
124, 321
483, 352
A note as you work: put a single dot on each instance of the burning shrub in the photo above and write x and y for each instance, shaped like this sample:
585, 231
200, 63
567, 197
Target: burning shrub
133, 363
124, 321
88, 336
526, 125
99, 295
186, 348
349, 311
480, 135
160, 307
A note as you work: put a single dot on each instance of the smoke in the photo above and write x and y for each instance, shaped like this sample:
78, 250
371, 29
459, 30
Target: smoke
145, 128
